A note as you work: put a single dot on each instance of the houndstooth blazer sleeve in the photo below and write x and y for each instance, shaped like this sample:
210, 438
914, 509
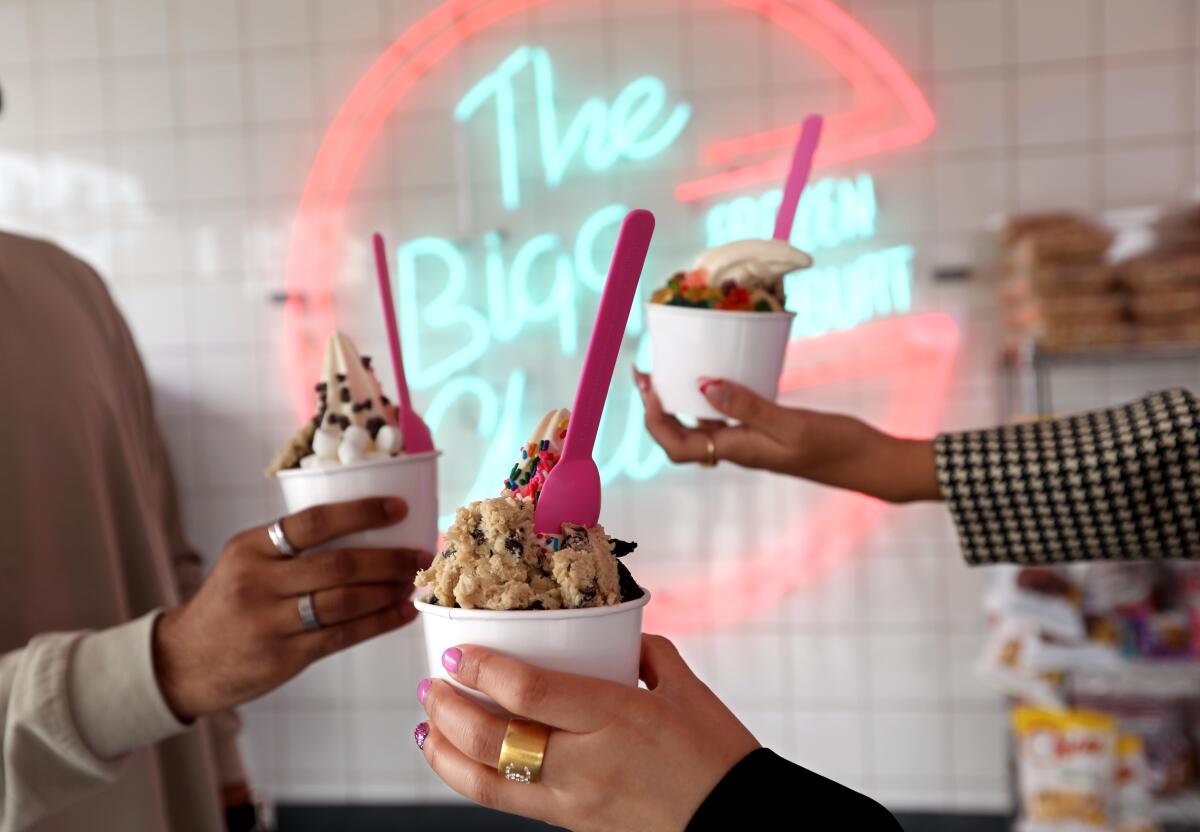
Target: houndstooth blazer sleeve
1112, 484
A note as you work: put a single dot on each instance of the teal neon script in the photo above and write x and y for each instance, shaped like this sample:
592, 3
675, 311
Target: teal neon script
873, 285
600, 133
832, 212
544, 283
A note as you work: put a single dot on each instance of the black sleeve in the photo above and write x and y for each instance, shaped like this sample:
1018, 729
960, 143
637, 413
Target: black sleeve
1112, 484
764, 784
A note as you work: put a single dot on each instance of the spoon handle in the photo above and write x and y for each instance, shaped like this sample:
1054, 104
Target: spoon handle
619, 289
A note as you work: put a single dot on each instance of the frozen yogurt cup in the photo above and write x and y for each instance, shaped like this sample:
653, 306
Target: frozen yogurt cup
353, 447
724, 318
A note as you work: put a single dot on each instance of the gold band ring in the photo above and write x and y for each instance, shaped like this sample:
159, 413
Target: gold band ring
523, 750
710, 459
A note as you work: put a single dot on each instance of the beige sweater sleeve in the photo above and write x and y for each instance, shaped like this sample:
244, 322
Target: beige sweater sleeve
71, 706
223, 728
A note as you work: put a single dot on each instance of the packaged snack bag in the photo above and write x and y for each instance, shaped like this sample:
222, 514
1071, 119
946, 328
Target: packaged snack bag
1132, 808
1066, 760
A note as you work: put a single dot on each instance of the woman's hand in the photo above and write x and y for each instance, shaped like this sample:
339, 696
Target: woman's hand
823, 447
618, 757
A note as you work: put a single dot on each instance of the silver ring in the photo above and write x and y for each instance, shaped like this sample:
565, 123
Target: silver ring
308, 615
279, 540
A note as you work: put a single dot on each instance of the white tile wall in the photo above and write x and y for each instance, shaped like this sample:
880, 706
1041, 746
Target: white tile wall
1053, 30
169, 141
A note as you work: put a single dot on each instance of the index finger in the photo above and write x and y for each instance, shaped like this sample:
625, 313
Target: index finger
579, 704
320, 524
681, 443
346, 567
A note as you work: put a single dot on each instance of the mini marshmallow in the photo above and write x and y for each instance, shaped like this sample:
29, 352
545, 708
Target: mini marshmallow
325, 443
356, 437
355, 441
388, 440
313, 461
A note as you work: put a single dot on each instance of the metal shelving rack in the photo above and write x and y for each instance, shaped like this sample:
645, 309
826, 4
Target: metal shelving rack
1168, 679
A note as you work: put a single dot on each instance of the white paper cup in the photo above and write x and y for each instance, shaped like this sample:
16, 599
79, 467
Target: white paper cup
689, 344
603, 642
413, 477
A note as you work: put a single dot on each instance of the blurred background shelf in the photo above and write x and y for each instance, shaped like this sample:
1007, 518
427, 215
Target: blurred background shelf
1176, 679
1180, 812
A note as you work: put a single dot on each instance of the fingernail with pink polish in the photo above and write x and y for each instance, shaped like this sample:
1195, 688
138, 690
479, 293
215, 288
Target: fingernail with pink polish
451, 658
715, 390
420, 733
641, 382
423, 690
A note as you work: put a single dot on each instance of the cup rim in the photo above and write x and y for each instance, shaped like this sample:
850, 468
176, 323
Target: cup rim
402, 459
667, 308
454, 613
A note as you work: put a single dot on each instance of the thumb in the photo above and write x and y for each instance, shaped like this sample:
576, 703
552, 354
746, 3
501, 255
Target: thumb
738, 402
662, 666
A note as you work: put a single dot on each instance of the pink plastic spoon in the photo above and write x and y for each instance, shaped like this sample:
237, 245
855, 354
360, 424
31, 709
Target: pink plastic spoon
802, 159
417, 438
571, 493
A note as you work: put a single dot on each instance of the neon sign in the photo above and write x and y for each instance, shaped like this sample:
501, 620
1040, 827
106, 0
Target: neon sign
509, 298
448, 330
832, 212
604, 133
885, 110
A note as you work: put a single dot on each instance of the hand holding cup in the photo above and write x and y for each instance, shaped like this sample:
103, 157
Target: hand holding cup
243, 634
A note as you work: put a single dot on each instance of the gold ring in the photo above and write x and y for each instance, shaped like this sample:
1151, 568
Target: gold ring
710, 459
523, 750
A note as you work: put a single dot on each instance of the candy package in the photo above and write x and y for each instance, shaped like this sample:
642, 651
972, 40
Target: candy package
1066, 761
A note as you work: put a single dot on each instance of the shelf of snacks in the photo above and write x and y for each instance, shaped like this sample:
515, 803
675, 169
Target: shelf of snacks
1066, 287
1147, 679
1101, 661
1102, 664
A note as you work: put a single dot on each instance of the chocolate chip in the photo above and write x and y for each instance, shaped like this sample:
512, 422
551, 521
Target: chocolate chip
477, 536
321, 387
575, 537
536, 605
621, 548
374, 425
728, 286
588, 592
355, 408
344, 395
514, 544
384, 399
341, 376
366, 361
367, 404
